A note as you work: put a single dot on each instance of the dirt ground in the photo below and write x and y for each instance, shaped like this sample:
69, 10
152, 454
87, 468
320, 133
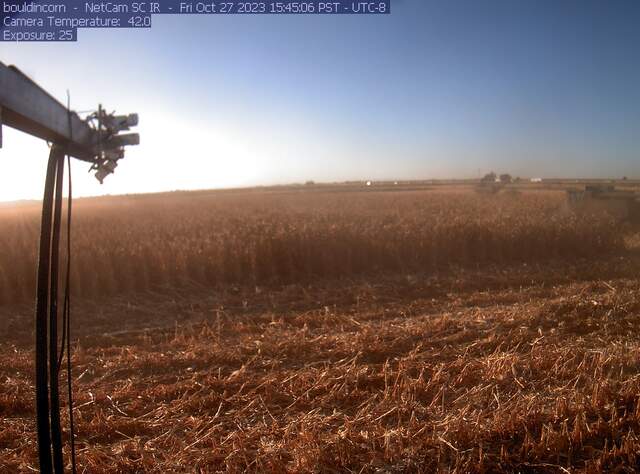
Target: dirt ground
528, 368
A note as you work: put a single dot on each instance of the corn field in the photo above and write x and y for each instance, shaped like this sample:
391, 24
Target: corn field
139, 243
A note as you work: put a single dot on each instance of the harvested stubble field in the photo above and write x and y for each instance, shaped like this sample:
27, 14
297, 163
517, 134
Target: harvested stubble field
354, 332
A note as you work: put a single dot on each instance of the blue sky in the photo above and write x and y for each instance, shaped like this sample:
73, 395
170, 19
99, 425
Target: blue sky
435, 90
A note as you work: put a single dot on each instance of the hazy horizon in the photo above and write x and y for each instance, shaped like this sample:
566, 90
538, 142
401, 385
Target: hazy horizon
353, 182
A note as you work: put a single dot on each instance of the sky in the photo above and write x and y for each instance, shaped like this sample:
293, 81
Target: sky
437, 89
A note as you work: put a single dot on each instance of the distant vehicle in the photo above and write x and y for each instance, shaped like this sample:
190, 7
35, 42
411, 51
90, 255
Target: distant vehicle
506, 178
489, 178
624, 205
490, 184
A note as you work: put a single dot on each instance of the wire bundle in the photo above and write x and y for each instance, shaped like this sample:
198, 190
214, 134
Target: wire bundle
47, 371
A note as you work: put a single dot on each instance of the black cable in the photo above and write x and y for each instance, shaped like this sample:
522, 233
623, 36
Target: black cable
42, 306
46, 340
47, 374
66, 312
54, 393
67, 324
65, 344
47, 391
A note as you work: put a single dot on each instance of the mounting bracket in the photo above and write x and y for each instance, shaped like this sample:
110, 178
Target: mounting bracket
25, 106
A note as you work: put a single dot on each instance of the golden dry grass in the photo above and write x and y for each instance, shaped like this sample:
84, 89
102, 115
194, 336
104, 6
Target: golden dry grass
502, 364
137, 243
